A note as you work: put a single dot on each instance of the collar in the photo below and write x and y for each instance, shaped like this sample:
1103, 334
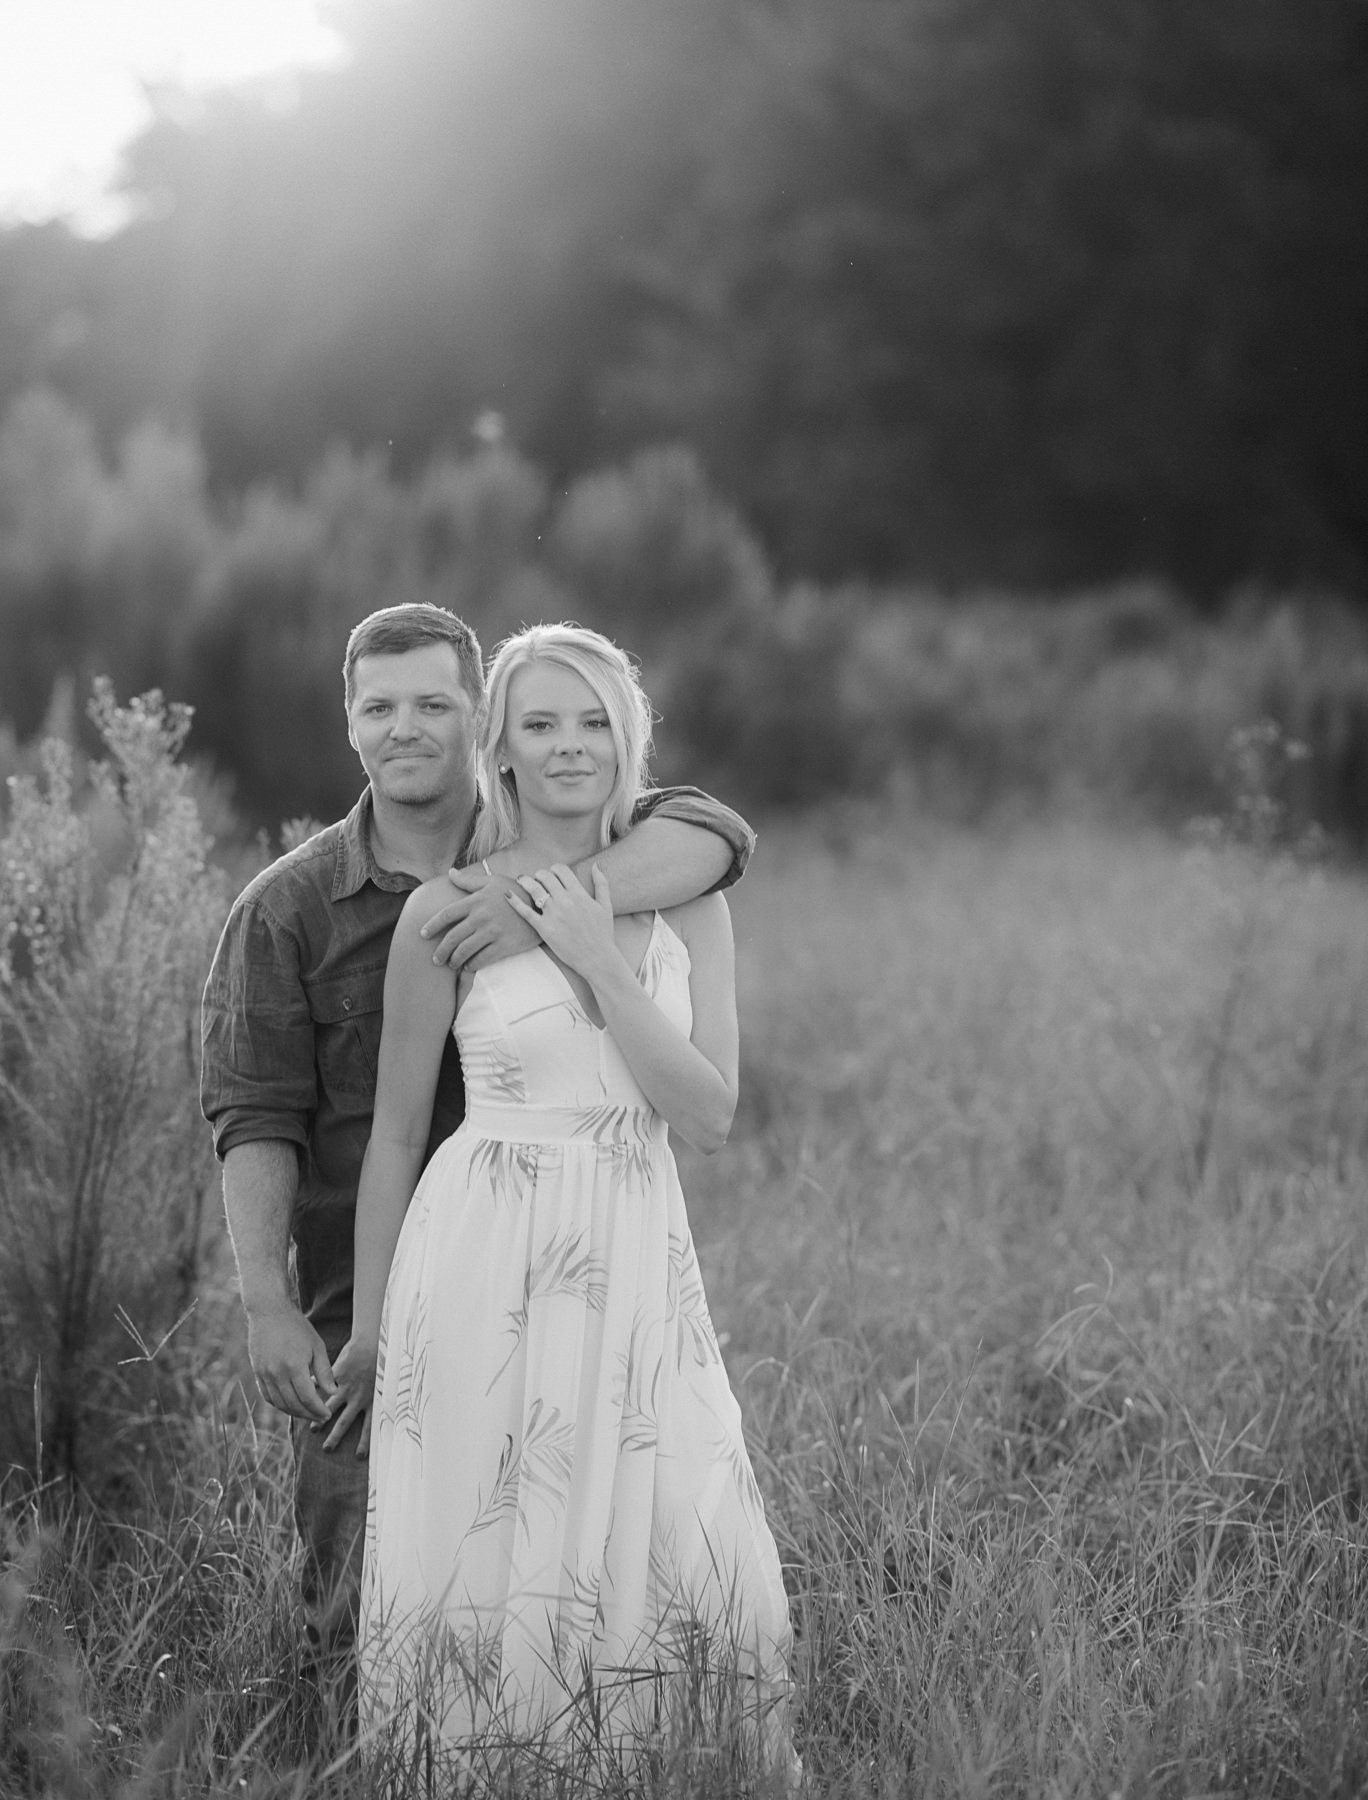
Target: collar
356, 864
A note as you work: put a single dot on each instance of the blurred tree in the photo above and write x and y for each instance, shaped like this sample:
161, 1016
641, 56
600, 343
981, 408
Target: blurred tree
96, 562
478, 524
1028, 289
54, 523
44, 304
752, 704
161, 534
652, 551
260, 653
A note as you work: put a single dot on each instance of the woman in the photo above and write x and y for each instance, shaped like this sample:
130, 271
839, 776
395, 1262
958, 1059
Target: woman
560, 1499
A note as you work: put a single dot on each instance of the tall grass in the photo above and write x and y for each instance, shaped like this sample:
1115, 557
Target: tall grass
1062, 1421
108, 911
1058, 1417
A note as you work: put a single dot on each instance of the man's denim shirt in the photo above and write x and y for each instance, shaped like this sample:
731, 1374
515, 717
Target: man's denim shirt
291, 1026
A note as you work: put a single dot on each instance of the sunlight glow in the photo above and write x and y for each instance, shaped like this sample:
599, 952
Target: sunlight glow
74, 80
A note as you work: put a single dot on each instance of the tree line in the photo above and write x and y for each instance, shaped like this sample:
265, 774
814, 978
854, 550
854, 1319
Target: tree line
1029, 292
130, 565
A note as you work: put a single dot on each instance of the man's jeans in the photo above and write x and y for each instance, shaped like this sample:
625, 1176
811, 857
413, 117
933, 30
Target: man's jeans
330, 1517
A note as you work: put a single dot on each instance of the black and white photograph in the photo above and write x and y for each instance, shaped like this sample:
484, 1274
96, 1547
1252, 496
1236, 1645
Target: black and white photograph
683, 900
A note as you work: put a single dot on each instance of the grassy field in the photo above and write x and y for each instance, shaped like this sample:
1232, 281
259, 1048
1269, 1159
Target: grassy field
1038, 1256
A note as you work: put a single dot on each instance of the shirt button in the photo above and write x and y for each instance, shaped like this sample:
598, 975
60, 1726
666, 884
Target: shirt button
346, 1004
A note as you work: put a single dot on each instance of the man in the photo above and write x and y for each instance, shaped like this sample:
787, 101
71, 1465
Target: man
291, 1028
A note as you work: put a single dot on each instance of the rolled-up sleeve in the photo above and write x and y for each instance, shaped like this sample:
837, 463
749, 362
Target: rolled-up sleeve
691, 806
257, 1074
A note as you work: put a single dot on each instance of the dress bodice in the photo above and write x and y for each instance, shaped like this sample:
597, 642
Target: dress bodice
525, 1038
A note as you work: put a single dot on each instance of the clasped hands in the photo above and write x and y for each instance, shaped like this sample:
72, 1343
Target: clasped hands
294, 1374
352, 1397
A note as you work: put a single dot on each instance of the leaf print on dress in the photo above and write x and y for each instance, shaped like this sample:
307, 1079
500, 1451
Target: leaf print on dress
503, 1496
410, 1386
663, 1579
509, 1168
539, 1468
562, 1267
547, 1459
732, 1451
580, 1610
623, 1132
688, 1303
381, 1347
636, 1385
368, 1550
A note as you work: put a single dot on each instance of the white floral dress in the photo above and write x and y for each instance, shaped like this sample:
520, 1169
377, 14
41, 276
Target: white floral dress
560, 1494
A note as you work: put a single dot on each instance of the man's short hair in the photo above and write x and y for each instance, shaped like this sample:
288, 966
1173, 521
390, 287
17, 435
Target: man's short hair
395, 629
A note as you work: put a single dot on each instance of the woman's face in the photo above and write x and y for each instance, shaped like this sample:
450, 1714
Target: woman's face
558, 742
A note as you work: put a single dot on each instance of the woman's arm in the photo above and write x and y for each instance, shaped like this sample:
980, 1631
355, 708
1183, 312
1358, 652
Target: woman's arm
420, 1003
682, 843
690, 1081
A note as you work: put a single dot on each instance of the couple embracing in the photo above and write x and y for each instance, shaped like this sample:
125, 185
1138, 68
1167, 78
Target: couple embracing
444, 1042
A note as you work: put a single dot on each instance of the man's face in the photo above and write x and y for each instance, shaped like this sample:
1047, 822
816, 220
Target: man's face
412, 723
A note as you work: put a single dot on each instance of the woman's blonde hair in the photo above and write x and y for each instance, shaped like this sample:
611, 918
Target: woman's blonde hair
611, 675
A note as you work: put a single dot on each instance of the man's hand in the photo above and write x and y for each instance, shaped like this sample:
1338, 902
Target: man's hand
478, 926
354, 1372
290, 1363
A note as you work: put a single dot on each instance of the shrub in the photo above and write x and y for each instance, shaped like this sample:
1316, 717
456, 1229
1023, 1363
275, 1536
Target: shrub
261, 649
753, 706
651, 551
53, 516
108, 912
477, 522
95, 562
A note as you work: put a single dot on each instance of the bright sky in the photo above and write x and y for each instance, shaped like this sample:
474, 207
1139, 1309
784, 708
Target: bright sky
72, 93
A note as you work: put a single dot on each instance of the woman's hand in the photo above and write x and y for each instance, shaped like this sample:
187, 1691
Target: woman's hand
354, 1373
573, 925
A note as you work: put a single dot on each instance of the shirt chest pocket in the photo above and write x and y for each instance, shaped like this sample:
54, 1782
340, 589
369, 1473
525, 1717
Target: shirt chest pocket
348, 1011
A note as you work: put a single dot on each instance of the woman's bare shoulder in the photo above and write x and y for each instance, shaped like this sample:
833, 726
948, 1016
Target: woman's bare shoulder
705, 920
424, 903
